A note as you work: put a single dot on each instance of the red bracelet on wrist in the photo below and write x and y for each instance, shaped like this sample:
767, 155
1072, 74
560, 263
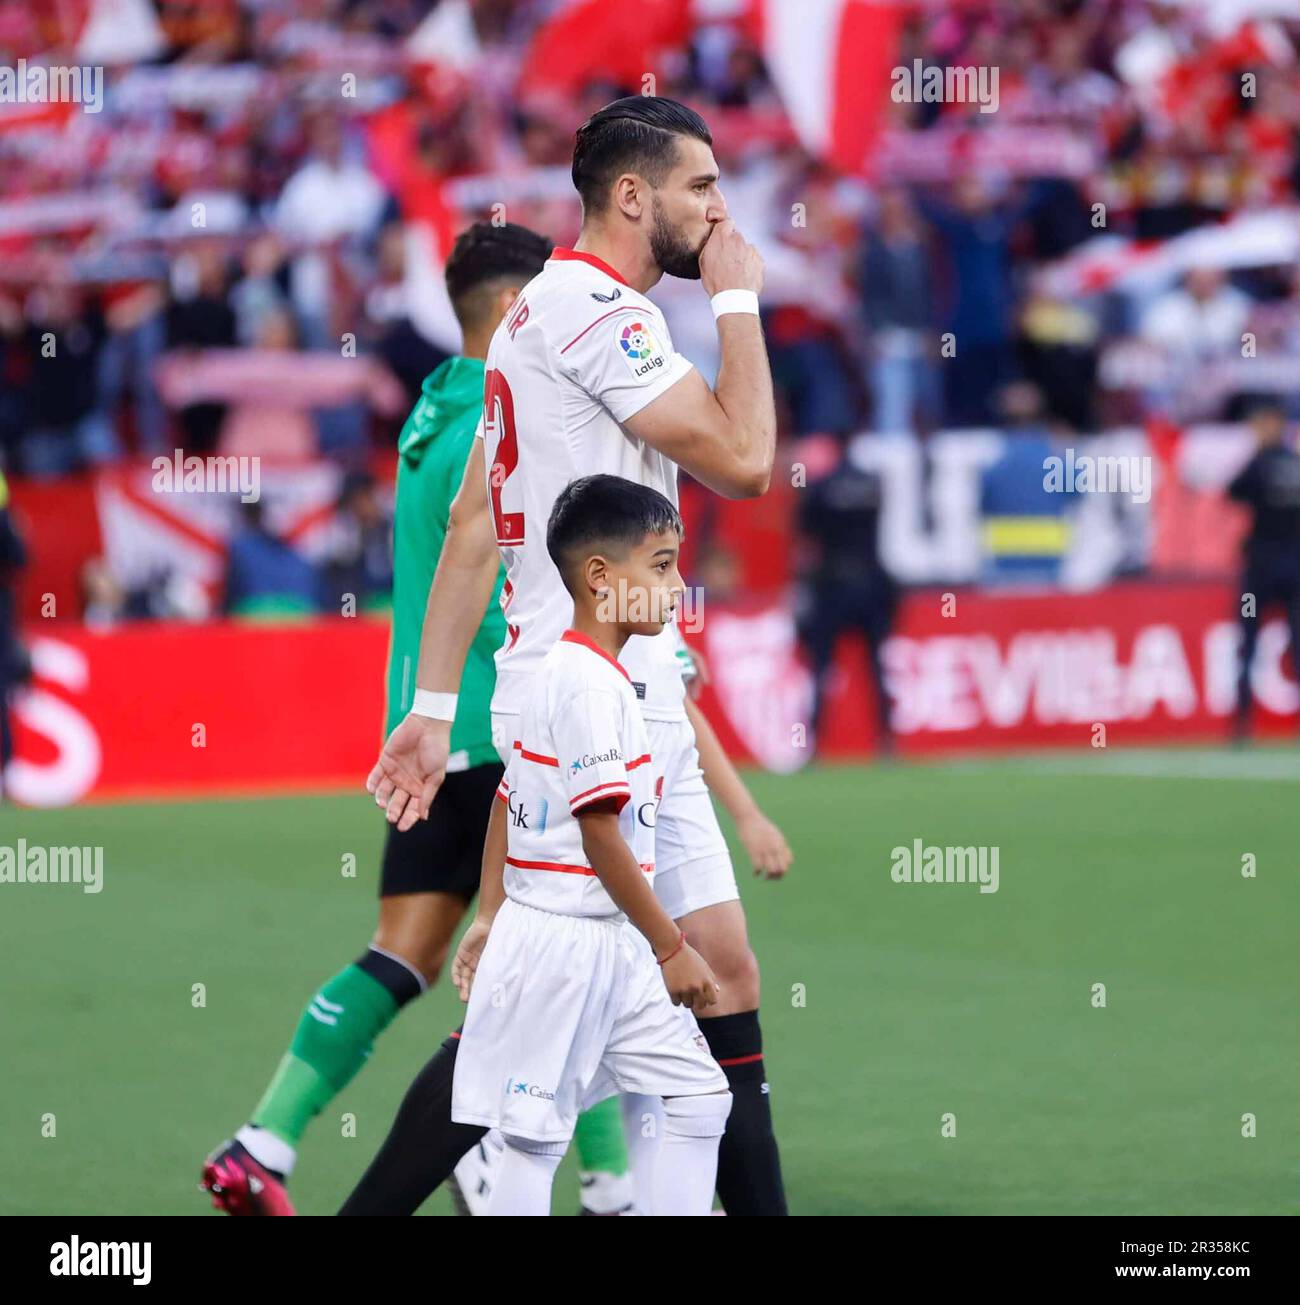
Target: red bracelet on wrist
681, 942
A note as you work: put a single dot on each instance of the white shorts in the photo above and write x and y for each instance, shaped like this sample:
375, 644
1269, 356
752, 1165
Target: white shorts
692, 862
565, 1011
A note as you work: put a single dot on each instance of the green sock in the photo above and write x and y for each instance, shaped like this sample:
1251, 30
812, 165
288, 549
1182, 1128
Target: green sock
334, 1038
602, 1148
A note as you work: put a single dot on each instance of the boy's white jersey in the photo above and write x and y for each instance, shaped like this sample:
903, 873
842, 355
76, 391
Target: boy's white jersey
581, 740
579, 352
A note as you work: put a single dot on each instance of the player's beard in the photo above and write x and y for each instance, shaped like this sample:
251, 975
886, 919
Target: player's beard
668, 247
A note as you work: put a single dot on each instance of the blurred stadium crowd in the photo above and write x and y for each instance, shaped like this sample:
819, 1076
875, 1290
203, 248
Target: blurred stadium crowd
236, 256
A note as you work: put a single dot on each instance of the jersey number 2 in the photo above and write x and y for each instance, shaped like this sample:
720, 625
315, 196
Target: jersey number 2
499, 416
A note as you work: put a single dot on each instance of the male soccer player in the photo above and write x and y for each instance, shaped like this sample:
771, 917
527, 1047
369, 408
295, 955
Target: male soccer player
430, 871
582, 377
567, 1004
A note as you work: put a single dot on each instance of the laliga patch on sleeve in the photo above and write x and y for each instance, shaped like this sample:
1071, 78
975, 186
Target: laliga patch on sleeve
640, 348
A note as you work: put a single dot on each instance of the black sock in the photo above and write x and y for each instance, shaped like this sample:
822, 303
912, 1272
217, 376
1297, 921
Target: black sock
398, 977
423, 1146
749, 1165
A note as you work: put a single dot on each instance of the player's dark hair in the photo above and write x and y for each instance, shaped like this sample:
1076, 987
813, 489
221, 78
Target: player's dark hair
604, 514
635, 134
484, 256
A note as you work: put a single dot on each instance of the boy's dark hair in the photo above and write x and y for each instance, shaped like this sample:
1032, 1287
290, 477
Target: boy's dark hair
485, 255
595, 513
635, 134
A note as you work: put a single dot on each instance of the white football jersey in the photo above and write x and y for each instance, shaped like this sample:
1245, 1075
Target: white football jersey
579, 352
581, 740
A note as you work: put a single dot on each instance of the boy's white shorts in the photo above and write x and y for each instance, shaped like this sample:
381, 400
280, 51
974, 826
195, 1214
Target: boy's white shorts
692, 862
565, 1011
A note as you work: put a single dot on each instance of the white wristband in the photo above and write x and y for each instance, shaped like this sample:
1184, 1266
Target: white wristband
734, 301
437, 706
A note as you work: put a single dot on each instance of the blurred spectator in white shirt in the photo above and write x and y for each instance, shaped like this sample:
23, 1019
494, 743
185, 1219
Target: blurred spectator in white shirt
1199, 322
1193, 327
328, 199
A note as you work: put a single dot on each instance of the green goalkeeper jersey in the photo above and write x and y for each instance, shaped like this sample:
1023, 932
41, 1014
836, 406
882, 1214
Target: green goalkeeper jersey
433, 448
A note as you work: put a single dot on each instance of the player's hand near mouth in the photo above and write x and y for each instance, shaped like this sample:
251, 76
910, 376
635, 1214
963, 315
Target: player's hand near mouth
728, 261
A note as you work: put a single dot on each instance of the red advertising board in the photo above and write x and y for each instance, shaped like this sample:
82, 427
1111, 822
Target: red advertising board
221, 708
966, 670
174, 709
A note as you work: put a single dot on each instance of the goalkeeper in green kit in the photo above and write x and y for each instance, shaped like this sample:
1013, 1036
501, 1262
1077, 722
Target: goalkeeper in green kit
430, 873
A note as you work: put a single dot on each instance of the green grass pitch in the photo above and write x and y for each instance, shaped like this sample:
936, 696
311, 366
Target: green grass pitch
886, 1006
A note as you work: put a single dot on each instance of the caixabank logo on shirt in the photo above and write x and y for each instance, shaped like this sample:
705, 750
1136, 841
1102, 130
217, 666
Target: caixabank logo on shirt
589, 759
526, 816
517, 1087
641, 351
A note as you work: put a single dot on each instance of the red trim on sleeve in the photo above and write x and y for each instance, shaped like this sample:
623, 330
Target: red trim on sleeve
618, 794
535, 756
609, 783
742, 1060
640, 761
627, 308
581, 256
572, 636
